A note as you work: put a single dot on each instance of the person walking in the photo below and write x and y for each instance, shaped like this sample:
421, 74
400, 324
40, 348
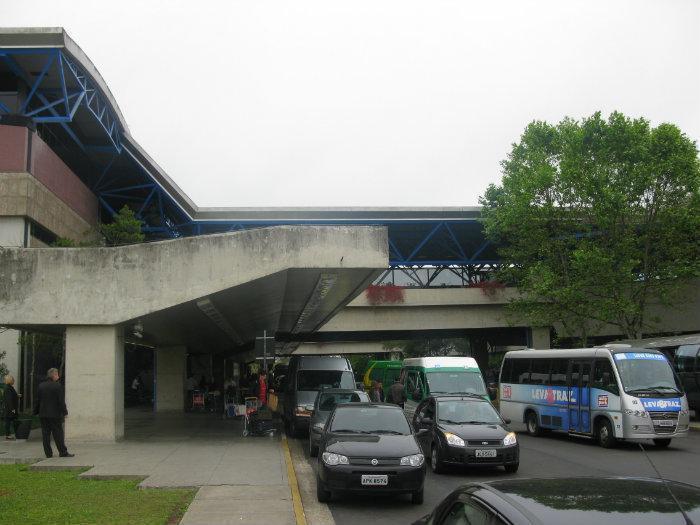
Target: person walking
397, 394
51, 408
377, 393
11, 407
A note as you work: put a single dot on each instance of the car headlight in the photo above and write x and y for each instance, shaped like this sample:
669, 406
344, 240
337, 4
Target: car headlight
510, 439
454, 440
318, 427
637, 413
416, 460
303, 410
331, 459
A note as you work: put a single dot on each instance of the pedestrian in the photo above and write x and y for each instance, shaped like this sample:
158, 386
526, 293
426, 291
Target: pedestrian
262, 388
376, 394
397, 394
51, 408
11, 407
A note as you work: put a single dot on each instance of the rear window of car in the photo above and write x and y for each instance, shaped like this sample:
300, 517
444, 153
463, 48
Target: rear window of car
370, 420
320, 379
329, 401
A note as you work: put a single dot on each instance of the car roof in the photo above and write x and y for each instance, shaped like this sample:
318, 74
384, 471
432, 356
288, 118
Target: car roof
457, 397
585, 500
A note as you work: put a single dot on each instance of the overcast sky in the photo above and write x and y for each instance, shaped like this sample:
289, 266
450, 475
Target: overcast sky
371, 103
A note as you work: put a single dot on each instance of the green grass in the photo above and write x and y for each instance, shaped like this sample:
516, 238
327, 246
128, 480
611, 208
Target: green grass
41, 497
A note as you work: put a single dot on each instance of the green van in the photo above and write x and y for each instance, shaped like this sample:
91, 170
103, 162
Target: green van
385, 371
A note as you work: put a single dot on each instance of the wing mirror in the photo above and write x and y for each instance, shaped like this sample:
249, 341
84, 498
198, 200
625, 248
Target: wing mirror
426, 421
506, 420
422, 432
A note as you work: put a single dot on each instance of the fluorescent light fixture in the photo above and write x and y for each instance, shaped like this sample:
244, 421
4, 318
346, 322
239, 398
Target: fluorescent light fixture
325, 282
206, 306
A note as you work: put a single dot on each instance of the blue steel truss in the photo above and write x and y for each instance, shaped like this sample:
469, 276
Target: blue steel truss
60, 92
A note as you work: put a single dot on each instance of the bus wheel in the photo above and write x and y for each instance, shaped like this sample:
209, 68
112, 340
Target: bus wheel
662, 443
533, 426
604, 434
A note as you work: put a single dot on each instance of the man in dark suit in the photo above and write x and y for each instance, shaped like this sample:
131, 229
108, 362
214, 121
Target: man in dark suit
51, 408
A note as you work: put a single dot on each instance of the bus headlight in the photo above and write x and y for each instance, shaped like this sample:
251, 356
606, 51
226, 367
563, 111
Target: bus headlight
303, 410
416, 460
318, 427
637, 413
334, 459
454, 440
510, 439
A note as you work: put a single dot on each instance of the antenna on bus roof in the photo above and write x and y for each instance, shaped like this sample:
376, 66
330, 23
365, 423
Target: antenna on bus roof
668, 487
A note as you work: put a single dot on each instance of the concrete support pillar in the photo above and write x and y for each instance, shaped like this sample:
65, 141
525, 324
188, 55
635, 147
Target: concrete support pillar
171, 366
94, 383
539, 338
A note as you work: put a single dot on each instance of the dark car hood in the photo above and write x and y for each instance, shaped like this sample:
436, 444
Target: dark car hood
365, 445
475, 431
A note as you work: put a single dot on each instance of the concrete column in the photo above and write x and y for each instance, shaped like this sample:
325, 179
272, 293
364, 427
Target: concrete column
171, 364
539, 338
94, 383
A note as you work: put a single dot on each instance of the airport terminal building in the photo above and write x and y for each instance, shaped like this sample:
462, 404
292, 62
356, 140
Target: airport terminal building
209, 282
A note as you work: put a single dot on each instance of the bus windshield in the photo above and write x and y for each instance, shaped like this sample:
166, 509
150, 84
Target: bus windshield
457, 382
646, 372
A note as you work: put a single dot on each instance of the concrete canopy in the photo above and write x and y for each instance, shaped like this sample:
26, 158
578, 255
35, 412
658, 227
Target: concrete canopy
214, 292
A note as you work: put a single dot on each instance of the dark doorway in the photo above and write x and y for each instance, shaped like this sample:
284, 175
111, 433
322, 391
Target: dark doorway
138, 376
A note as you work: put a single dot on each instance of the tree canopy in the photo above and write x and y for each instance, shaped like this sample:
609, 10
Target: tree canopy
595, 219
125, 228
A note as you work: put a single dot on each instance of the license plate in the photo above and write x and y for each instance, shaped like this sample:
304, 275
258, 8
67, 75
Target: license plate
489, 453
375, 480
665, 423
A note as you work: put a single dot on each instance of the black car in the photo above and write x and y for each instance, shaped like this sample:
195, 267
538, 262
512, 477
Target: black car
369, 448
573, 501
465, 430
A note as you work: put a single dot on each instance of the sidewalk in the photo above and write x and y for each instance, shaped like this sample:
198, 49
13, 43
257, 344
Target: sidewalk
243, 480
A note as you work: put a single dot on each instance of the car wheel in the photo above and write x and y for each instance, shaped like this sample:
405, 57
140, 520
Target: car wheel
417, 497
662, 443
435, 463
604, 434
512, 468
322, 495
533, 426
313, 449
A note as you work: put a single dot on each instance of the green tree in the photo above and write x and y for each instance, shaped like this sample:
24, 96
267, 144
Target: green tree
125, 228
595, 220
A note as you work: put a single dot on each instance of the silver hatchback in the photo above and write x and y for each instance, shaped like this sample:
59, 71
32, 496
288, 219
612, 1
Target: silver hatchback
326, 401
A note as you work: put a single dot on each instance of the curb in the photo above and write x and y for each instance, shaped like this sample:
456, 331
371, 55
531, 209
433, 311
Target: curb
299, 515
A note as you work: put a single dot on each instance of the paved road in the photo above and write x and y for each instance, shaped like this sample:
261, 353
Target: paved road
549, 456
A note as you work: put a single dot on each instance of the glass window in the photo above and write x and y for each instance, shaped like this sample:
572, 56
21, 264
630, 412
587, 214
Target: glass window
603, 376
320, 379
328, 402
507, 371
685, 358
647, 373
521, 371
369, 419
458, 412
390, 375
469, 513
539, 375
559, 369
411, 381
456, 383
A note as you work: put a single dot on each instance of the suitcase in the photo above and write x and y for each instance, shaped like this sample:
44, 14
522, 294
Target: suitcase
261, 426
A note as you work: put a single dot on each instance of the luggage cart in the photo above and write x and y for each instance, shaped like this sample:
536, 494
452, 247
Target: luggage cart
258, 420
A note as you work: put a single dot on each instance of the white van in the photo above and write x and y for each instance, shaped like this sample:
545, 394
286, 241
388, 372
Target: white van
426, 376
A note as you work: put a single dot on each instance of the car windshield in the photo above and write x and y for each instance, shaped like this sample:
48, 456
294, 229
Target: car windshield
370, 420
320, 379
646, 372
459, 411
328, 401
456, 383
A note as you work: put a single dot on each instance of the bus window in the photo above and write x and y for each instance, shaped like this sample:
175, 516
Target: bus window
539, 375
521, 371
559, 369
685, 358
603, 377
507, 371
